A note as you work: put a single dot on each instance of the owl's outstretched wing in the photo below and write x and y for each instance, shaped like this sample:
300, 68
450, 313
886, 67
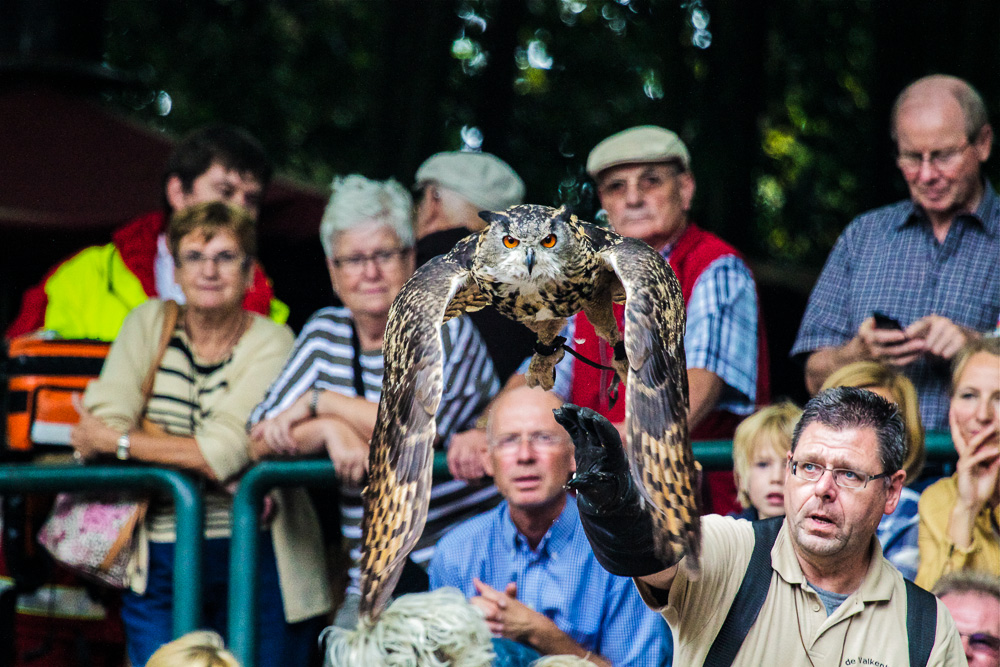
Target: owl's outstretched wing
656, 405
401, 455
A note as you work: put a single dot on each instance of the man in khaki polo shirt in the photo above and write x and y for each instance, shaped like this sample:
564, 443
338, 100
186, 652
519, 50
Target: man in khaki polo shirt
832, 598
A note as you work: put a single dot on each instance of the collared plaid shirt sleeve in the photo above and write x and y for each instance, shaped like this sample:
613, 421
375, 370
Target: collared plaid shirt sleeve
888, 260
825, 322
560, 579
721, 334
897, 533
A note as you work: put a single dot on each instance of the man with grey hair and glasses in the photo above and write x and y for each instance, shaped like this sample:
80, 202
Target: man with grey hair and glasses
909, 284
810, 588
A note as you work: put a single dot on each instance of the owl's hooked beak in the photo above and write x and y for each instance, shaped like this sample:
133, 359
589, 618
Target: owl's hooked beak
529, 259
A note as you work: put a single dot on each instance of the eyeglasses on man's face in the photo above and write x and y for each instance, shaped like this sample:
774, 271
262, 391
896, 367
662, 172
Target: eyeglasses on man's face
509, 442
941, 160
225, 261
382, 259
842, 477
649, 179
983, 642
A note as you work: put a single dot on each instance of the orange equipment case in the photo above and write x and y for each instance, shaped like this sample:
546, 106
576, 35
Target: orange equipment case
41, 376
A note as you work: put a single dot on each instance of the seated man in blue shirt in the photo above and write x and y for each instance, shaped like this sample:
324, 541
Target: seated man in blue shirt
527, 563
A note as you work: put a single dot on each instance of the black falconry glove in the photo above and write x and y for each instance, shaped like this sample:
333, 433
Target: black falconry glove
619, 529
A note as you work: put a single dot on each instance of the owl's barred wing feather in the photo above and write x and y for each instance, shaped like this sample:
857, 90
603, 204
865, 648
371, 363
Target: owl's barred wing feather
400, 459
658, 445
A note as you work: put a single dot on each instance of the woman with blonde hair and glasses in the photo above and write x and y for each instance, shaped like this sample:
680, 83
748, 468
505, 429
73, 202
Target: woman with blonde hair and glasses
897, 532
960, 515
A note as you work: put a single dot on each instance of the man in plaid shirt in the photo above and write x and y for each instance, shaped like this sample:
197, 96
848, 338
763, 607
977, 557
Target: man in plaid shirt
929, 262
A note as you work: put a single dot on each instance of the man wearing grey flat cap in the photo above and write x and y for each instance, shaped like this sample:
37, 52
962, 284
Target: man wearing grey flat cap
452, 188
646, 186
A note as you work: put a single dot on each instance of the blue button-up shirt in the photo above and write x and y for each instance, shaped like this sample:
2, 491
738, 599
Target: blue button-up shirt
888, 260
560, 578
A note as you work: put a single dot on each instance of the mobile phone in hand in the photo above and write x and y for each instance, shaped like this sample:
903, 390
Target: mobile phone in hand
883, 321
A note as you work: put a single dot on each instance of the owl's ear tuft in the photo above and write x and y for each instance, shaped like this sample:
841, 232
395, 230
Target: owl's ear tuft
563, 214
494, 216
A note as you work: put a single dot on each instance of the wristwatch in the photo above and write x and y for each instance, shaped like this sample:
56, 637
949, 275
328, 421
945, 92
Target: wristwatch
124, 450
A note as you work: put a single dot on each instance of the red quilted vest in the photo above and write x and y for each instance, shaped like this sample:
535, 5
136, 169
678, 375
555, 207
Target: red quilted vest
694, 251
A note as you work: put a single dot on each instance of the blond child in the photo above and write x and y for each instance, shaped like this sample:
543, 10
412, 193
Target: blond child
760, 446
201, 648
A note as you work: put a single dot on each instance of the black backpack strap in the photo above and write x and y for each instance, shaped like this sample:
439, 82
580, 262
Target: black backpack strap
921, 623
749, 598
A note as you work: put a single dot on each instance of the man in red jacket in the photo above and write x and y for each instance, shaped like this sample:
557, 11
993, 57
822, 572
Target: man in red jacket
646, 187
89, 294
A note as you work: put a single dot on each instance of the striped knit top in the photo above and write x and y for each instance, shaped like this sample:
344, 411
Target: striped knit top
185, 392
323, 357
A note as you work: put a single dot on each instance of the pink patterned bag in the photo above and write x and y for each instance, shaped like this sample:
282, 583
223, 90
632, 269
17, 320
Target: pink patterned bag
94, 534
95, 538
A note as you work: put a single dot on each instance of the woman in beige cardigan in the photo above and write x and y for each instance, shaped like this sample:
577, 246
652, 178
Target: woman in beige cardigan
216, 368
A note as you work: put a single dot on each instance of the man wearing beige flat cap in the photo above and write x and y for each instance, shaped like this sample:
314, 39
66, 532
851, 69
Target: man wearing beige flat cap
646, 186
454, 186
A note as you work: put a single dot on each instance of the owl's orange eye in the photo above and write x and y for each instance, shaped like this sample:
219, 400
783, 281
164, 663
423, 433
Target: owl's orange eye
549, 241
510, 241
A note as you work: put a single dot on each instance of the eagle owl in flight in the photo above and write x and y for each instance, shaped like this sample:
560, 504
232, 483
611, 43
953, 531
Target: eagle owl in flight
539, 266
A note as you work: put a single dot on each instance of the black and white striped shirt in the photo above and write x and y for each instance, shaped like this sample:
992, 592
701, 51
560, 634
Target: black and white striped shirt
323, 357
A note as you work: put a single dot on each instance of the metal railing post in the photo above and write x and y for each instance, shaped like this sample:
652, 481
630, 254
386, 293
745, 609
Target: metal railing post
243, 552
26, 478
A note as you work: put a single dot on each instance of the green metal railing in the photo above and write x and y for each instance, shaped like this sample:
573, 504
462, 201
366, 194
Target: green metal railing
243, 552
244, 559
243, 555
939, 447
29, 478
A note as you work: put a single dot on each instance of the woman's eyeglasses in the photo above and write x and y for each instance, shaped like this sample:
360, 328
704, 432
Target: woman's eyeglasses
225, 261
382, 259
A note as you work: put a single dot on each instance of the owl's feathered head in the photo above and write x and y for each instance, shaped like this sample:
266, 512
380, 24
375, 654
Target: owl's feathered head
528, 243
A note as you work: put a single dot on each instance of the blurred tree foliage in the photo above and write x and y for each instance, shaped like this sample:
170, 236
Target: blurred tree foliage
783, 103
